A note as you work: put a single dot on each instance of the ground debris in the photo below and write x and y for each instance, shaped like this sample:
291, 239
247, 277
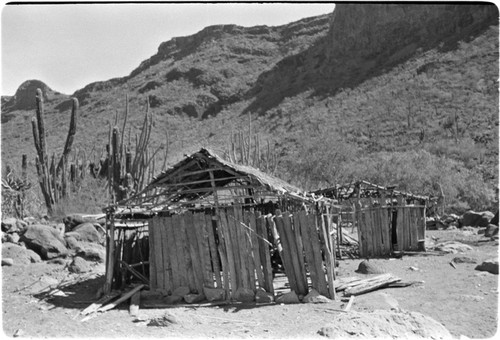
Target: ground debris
163, 321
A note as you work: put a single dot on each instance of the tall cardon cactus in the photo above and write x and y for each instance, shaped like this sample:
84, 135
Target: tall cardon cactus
51, 180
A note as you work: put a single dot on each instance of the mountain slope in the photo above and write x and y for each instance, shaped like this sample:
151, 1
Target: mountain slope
343, 88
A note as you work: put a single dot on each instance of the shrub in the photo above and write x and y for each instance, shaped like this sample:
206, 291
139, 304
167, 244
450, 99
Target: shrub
421, 172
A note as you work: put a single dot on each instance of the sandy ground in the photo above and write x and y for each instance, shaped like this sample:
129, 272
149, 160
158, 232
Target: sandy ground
464, 300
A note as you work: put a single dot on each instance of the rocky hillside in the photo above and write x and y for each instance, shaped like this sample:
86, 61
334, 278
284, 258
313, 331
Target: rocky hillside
367, 79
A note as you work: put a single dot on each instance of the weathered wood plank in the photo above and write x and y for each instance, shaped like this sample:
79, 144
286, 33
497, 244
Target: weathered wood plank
170, 230
415, 228
286, 253
313, 231
328, 257
400, 227
259, 272
158, 222
193, 251
186, 251
377, 232
214, 257
301, 224
295, 254
152, 257
222, 253
234, 244
231, 272
123, 298
242, 247
177, 232
204, 249
300, 248
385, 235
265, 256
371, 284
167, 267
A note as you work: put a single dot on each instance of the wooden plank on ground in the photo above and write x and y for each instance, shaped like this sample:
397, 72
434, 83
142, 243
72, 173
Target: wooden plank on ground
301, 219
231, 272
171, 224
96, 305
295, 253
371, 284
193, 251
286, 253
152, 256
313, 230
214, 257
123, 298
265, 256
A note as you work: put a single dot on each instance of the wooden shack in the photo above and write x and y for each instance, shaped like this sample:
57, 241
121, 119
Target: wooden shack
387, 220
208, 223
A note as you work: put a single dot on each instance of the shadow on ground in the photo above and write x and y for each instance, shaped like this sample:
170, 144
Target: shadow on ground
77, 295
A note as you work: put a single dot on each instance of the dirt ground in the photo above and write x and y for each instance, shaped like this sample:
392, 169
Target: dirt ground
464, 300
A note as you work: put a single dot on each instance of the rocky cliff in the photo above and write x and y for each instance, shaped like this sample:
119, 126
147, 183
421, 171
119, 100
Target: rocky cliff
365, 40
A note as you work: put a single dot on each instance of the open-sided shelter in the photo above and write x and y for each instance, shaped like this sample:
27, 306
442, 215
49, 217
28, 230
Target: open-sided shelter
206, 223
387, 220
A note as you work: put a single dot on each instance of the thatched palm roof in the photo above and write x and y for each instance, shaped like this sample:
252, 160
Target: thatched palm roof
204, 173
204, 159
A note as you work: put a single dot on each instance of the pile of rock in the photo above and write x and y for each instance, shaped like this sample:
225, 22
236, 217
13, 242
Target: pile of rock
78, 241
484, 222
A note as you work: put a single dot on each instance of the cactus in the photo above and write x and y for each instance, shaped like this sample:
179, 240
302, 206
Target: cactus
53, 187
129, 172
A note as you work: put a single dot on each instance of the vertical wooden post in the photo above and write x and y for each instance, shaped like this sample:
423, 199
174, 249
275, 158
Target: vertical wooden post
110, 227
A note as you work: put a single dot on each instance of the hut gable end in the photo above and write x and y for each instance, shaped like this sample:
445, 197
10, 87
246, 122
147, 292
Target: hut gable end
205, 179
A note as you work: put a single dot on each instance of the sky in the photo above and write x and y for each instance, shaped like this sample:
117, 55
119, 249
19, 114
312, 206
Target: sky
69, 46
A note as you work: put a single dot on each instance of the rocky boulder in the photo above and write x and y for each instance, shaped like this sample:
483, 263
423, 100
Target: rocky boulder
367, 267
74, 220
91, 252
476, 219
490, 266
385, 324
18, 254
491, 230
452, 247
315, 297
85, 232
45, 241
288, 298
13, 225
79, 265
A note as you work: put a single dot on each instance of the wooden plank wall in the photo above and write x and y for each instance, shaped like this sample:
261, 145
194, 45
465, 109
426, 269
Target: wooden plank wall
306, 249
375, 223
196, 250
